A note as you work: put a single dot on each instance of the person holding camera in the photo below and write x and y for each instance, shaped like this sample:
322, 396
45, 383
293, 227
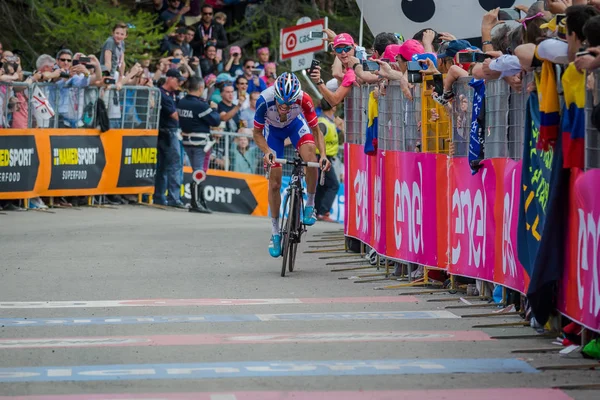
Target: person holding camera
234, 64
343, 45
270, 75
325, 195
211, 63
252, 74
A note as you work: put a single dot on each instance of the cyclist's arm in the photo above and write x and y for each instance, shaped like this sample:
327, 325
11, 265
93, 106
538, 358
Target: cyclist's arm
319, 139
259, 125
308, 109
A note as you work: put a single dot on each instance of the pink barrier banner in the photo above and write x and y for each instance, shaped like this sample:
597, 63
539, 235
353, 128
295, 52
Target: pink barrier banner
410, 210
377, 177
508, 270
579, 298
472, 223
360, 196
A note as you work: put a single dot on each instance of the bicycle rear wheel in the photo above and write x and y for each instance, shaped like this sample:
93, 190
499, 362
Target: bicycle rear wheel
287, 230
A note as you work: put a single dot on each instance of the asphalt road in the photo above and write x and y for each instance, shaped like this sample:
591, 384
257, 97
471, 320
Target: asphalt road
140, 303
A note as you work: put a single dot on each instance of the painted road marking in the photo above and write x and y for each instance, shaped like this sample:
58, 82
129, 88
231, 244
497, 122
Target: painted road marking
174, 319
202, 302
265, 369
447, 394
192, 340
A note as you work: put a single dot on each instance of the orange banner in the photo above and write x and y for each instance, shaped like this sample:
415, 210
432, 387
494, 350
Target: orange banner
232, 192
76, 162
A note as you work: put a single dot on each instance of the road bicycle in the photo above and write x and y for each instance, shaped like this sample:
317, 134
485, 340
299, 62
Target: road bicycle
292, 227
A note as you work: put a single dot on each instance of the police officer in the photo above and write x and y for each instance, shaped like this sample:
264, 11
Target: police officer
326, 194
168, 169
195, 119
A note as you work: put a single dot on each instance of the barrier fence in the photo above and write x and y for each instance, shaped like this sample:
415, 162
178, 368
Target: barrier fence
50, 145
501, 224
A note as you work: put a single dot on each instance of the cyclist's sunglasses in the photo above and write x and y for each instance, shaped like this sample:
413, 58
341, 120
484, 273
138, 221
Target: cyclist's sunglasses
283, 103
340, 50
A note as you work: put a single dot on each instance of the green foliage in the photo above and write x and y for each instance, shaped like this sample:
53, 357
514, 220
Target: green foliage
82, 26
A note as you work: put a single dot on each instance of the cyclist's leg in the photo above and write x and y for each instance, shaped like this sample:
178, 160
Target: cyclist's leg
304, 141
276, 144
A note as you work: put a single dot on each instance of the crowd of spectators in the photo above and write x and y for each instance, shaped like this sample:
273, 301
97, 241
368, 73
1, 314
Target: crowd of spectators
565, 33
85, 90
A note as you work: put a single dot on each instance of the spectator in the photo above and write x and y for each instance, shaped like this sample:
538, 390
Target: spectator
234, 64
270, 75
382, 40
177, 41
211, 63
255, 84
220, 82
190, 32
112, 55
243, 157
343, 46
168, 170
209, 32
429, 39
327, 193
247, 114
174, 12
591, 31
230, 112
221, 18
240, 96
71, 99
263, 58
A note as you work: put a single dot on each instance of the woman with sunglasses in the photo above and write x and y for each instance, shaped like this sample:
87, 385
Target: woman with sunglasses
343, 45
285, 111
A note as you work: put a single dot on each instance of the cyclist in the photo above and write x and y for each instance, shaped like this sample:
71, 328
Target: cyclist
285, 111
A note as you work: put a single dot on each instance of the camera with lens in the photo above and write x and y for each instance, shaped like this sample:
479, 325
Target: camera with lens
64, 75
414, 72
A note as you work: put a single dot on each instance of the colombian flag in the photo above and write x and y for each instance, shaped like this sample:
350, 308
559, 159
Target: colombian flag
372, 126
549, 107
573, 122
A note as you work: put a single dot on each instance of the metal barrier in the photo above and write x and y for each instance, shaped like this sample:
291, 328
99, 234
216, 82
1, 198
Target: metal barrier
404, 124
14, 105
592, 136
436, 121
132, 107
462, 111
497, 95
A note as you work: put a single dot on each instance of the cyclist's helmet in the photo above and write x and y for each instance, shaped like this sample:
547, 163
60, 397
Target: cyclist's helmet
287, 88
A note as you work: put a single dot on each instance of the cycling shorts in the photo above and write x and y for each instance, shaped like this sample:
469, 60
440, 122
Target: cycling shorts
298, 132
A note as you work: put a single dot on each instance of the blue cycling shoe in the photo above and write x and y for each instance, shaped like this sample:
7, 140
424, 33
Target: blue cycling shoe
310, 216
275, 246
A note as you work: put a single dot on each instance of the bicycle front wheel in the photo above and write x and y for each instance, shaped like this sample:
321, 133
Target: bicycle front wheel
287, 230
296, 227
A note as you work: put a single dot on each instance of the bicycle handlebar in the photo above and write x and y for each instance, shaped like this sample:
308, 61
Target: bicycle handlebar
309, 164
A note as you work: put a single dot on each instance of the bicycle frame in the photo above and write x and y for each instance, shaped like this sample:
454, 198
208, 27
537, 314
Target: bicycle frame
292, 225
